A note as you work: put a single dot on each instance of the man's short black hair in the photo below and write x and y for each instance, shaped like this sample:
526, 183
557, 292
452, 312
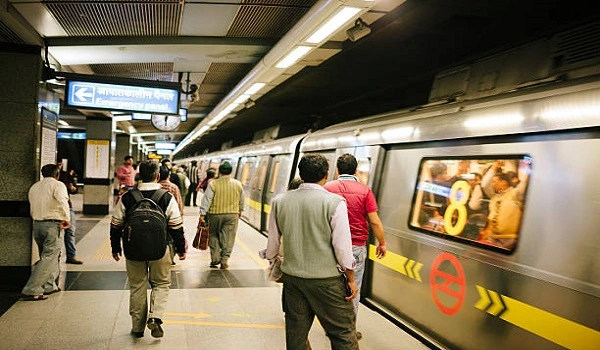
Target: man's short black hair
346, 164
313, 167
148, 171
164, 173
126, 158
50, 170
165, 160
194, 162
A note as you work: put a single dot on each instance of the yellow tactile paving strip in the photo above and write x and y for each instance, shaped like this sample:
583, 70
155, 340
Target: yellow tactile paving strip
104, 252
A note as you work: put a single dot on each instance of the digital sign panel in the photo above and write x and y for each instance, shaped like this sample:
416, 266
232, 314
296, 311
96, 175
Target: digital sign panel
108, 96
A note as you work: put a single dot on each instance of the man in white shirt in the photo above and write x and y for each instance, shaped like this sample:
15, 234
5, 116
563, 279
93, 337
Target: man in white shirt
49, 208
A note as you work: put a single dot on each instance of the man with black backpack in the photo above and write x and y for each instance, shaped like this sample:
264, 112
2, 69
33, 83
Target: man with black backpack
146, 220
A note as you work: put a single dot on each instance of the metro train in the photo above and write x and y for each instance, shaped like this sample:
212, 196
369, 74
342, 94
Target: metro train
453, 276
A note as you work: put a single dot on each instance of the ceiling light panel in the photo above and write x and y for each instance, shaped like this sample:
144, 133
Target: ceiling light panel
333, 24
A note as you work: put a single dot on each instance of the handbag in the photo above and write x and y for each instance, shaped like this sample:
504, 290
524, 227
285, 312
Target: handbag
274, 272
201, 239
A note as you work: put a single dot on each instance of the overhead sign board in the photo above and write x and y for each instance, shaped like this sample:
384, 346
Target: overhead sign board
117, 97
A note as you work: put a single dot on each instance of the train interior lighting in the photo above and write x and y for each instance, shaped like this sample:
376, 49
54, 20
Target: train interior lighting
498, 120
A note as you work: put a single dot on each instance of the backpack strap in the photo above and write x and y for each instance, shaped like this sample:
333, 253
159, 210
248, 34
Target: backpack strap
158, 194
137, 195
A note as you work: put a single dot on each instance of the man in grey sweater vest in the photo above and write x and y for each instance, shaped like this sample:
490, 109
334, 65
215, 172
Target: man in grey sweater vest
318, 265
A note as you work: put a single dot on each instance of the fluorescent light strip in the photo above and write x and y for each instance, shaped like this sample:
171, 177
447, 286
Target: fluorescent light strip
62, 122
241, 99
254, 88
296, 54
338, 20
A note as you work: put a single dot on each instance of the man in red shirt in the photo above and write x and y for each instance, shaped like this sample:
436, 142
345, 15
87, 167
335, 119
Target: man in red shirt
362, 212
126, 173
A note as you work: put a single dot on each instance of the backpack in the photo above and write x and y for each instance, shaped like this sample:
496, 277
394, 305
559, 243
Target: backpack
145, 231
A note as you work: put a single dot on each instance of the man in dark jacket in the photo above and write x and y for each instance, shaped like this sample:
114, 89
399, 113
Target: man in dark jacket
157, 272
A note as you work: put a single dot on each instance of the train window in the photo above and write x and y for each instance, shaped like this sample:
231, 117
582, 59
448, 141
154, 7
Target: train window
363, 169
245, 174
274, 177
263, 174
476, 200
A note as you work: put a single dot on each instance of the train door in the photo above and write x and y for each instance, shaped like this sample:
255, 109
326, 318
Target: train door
256, 191
278, 177
247, 165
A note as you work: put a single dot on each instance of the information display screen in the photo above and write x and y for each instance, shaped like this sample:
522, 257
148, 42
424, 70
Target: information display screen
117, 97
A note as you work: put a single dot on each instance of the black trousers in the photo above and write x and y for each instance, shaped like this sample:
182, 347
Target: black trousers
191, 196
305, 298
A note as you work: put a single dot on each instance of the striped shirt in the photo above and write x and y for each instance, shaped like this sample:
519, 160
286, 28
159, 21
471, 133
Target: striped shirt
174, 190
223, 196
192, 174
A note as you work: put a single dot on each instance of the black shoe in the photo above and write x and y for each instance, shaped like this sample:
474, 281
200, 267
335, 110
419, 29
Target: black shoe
137, 334
155, 328
214, 265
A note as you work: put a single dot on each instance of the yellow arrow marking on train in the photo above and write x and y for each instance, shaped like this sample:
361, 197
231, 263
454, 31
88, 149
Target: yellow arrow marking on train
552, 327
484, 299
397, 262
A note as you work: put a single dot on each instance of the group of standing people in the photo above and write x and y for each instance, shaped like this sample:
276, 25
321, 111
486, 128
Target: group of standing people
323, 228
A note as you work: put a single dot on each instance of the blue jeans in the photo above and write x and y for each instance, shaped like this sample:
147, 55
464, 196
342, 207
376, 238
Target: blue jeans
46, 270
70, 237
360, 256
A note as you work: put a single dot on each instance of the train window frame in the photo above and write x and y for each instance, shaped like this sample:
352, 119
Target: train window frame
453, 224
274, 174
262, 173
364, 176
245, 177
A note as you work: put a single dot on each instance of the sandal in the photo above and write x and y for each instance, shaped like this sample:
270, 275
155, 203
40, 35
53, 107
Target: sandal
33, 297
53, 291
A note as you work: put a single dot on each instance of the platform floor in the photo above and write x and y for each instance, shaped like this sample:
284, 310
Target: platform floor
207, 309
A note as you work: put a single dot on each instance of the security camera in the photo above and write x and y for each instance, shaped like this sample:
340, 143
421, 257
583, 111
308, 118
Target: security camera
193, 88
358, 31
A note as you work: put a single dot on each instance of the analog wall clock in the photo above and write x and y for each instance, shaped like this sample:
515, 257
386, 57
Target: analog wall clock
165, 122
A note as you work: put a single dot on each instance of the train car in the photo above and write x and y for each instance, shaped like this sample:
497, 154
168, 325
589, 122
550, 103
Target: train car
488, 197
264, 169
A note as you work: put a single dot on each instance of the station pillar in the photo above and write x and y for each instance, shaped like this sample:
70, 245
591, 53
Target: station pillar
19, 158
99, 166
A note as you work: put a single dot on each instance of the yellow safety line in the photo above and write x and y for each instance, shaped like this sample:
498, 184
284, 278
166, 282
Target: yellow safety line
262, 263
104, 252
224, 324
552, 327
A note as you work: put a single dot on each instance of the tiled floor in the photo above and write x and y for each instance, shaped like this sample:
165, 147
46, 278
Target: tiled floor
207, 309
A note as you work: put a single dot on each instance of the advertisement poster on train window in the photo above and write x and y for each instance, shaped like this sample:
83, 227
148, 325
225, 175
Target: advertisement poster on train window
476, 200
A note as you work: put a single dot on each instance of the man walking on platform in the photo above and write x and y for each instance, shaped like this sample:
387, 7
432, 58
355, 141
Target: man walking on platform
312, 224
362, 212
223, 201
140, 272
192, 194
49, 208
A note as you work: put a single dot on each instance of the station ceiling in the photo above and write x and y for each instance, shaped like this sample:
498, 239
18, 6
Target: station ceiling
216, 44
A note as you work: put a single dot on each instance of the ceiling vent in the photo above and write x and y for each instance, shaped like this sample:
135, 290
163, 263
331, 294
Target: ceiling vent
569, 54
